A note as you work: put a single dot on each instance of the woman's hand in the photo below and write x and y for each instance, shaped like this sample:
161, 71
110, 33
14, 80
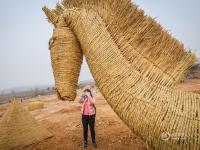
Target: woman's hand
80, 98
91, 99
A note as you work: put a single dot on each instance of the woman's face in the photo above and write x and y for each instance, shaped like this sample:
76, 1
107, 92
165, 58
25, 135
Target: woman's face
85, 92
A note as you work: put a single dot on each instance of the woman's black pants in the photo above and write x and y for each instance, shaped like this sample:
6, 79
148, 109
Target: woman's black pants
86, 119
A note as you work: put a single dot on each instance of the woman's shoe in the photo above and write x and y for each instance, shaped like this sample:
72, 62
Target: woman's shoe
85, 144
94, 144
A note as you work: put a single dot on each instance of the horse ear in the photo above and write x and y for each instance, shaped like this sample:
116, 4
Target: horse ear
59, 9
51, 15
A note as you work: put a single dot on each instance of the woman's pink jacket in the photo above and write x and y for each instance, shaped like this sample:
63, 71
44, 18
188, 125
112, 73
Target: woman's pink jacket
91, 104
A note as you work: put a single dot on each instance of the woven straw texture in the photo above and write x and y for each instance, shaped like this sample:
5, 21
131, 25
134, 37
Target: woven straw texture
144, 100
66, 58
18, 128
35, 104
142, 41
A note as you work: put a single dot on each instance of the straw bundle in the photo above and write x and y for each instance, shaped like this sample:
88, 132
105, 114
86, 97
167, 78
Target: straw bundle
144, 102
18, 128
35, 104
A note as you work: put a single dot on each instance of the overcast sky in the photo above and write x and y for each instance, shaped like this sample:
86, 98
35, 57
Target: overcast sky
24, 35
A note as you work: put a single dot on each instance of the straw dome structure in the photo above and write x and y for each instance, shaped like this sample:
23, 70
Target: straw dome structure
18, 128
126, 52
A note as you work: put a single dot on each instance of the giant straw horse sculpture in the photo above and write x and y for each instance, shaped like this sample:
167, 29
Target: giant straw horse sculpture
135, 63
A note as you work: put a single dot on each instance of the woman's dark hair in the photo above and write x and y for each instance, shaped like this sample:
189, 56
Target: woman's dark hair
88, 90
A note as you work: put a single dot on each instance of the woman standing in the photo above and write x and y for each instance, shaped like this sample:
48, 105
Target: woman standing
88, 111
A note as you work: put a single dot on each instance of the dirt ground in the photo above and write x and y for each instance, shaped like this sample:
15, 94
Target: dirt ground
63, 119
